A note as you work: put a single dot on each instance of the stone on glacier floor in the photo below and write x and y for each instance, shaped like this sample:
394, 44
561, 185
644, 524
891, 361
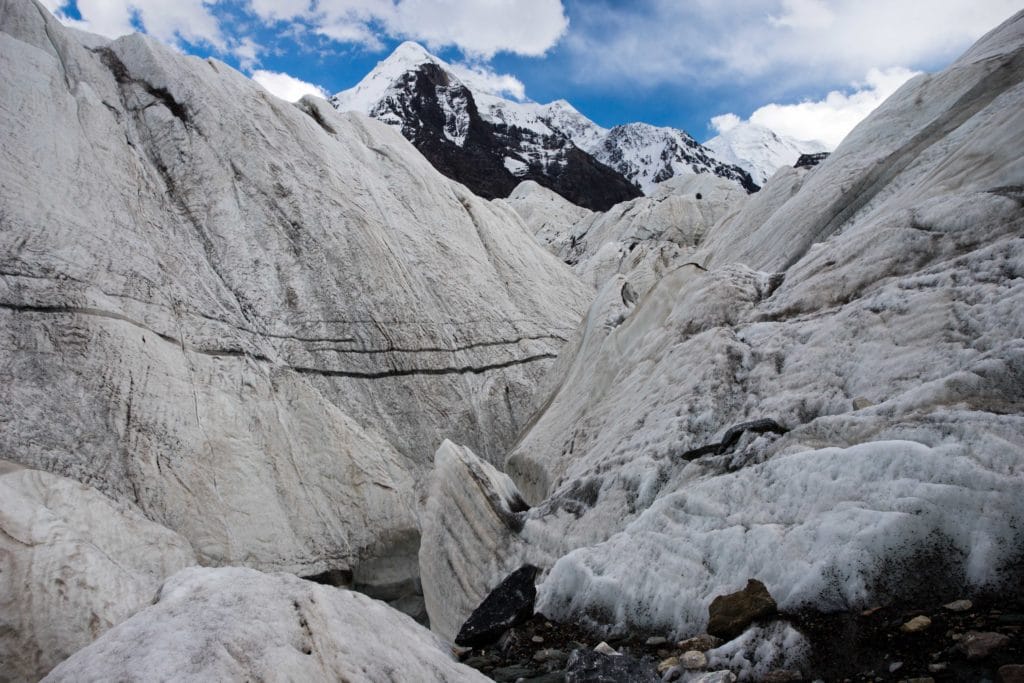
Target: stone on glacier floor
73, 563
509, 604
237, 624
891, 276
729, 615
254, 320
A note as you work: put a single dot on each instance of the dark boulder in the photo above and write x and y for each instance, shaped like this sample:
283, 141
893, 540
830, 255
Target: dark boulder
762, 426
729, 615
810, 160
508, 605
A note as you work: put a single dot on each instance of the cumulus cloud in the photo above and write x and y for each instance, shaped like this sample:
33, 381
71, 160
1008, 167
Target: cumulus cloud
480, 29
723, 123
827, 120
483, 79
790, 42
168, 21
483, 27
286, 87
247, 51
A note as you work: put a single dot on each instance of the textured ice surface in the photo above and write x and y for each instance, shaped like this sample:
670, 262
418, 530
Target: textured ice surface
73, 563
642, 239
469, 501
871, 307
235, 624
761, 650
244, 316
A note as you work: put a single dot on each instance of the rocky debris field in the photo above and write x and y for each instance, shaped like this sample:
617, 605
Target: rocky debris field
960, 640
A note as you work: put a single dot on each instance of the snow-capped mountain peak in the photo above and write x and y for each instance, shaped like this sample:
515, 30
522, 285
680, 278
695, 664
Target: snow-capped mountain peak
367, 94
760, 150
499, 142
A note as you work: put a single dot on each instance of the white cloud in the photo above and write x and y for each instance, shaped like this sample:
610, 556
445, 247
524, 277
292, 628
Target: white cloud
483, 27
723, 123
830, 119
804, 14
286, 87
485, 80
788, 42
480, 28
248, 52
167, 20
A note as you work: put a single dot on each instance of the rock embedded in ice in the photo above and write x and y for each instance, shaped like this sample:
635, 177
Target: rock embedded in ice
240, 624
667, 664
729, 615
73, 563
1010, 673
509, 604
959, 606
724, 676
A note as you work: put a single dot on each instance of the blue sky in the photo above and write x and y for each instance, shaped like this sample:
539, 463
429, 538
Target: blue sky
808, 68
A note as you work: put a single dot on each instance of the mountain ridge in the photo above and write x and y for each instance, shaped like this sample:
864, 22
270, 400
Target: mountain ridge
465, 129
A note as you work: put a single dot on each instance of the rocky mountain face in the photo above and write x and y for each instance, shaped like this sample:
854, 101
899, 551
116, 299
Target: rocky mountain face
491, 144
649, 155
438, 113
266, 376
759, 150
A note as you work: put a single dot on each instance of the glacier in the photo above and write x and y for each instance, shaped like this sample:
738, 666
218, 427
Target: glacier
251, 347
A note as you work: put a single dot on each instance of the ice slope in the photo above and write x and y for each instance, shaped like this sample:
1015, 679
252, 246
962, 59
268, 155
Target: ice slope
491, 512
72, 564
643, 238
759, 150
546, 214
871, 307
235, 624
254, 321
